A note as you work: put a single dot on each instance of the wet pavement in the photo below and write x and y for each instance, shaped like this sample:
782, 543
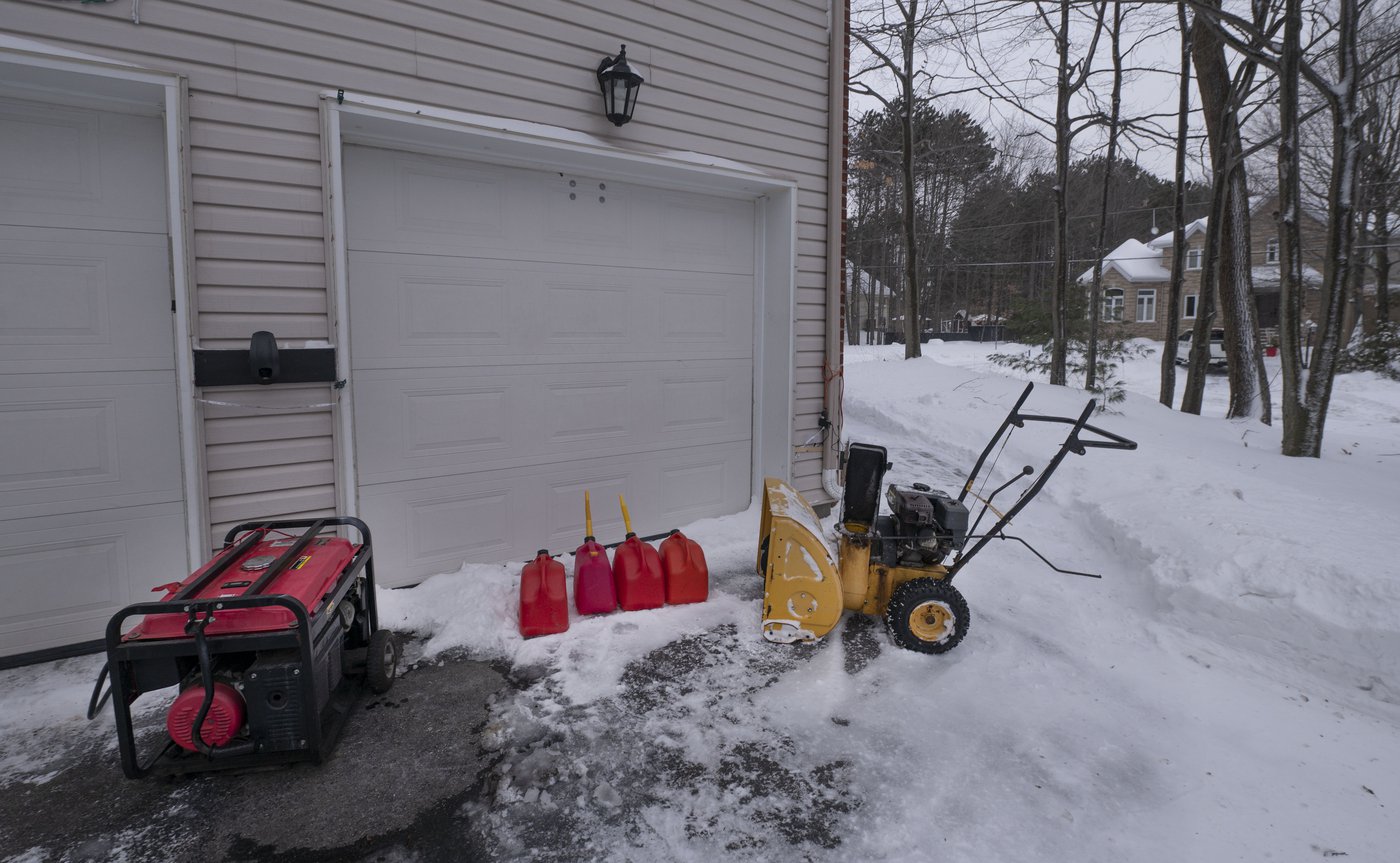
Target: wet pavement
393, 789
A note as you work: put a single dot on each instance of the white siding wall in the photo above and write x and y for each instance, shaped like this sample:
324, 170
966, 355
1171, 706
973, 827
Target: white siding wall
741, 79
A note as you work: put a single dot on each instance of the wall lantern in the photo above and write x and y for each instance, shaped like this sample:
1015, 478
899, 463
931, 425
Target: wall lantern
619, 83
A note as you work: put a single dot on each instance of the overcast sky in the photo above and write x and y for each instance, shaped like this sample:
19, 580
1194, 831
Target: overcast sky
1012, 53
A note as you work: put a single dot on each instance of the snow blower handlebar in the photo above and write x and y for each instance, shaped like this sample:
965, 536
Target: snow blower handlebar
1073, 443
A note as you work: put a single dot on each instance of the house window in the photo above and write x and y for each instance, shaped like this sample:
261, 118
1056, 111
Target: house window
1113, 304
1146, 305
1193, 259
1271, 251
1188, 306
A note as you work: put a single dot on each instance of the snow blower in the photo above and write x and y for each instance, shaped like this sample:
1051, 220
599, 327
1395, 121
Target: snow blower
893, 565
269, 642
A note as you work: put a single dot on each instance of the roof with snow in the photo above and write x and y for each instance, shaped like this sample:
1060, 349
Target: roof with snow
1265, 278
867, 283
1257, 205
1134, 261
1164, 241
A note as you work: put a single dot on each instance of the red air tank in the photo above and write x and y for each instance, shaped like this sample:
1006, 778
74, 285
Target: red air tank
223, 721
544, 599
683, 565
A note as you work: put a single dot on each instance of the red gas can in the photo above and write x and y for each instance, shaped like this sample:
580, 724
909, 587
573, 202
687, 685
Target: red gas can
637, 572
544, 600
594, 591
683, 565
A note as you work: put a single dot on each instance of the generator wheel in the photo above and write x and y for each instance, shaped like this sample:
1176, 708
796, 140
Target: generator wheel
927, 615
381, 661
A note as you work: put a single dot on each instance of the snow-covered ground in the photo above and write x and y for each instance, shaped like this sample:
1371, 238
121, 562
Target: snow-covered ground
1229, 690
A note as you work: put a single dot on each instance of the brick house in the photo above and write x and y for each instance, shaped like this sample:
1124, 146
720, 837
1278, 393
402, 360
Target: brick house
1137, 275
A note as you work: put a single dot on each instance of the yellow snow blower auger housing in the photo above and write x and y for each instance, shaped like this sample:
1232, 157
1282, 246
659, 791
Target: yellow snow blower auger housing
893, 565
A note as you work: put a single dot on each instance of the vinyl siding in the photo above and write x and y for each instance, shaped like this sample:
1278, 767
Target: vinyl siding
742, 80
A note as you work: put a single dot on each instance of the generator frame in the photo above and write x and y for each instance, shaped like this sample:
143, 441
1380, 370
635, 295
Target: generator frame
137, 667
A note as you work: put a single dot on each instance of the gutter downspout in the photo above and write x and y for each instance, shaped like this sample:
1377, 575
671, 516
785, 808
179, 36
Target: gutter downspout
833, 373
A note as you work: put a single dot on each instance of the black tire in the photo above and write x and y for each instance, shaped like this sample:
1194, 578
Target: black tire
927, 615
381, 661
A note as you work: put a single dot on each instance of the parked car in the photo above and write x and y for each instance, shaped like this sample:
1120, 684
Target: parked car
1217, 348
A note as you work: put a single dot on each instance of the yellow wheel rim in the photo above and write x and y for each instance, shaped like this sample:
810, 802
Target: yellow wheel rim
931, 621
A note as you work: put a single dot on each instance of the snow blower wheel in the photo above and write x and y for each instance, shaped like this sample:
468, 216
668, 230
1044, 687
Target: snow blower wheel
927, 615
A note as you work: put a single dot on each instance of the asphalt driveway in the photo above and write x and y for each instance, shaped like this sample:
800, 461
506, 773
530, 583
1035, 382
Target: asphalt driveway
392, 790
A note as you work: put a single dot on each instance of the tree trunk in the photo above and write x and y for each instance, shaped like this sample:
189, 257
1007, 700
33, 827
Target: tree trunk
1291, 287
1091, 348
1059, 288
1382, 241
1168, 391
1305, 438
1194, 392
1238, 318
912, 346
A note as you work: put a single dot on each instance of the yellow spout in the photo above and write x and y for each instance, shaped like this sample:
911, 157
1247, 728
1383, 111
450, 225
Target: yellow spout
626, 519
587, 514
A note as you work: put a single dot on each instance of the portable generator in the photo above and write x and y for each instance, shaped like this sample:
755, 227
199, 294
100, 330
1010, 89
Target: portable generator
269, 642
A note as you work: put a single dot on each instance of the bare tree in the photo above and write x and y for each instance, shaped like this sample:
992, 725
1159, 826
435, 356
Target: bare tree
895, 34
1072, 75
1228, 247
1070, 78
1380, 169
1168, 391
1091, 348
1333, 66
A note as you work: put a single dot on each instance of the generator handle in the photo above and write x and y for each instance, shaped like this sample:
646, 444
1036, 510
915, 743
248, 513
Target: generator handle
208, 607
366, 549
299, 523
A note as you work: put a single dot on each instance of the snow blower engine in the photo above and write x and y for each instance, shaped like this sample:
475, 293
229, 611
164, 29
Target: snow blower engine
894, 565
269, 644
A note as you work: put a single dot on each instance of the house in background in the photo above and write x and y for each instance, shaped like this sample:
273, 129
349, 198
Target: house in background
870, 307
1137, 275
485, 296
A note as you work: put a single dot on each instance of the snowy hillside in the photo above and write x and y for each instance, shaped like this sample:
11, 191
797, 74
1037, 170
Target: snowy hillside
1229, 690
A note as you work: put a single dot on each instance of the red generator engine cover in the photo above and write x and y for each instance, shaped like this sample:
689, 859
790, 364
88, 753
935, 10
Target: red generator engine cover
307, 578
226, 715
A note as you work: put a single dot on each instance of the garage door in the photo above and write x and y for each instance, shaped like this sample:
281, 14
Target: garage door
91, 499
518, 336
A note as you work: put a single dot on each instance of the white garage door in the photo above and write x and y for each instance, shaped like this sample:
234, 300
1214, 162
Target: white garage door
91, 495
518, 336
